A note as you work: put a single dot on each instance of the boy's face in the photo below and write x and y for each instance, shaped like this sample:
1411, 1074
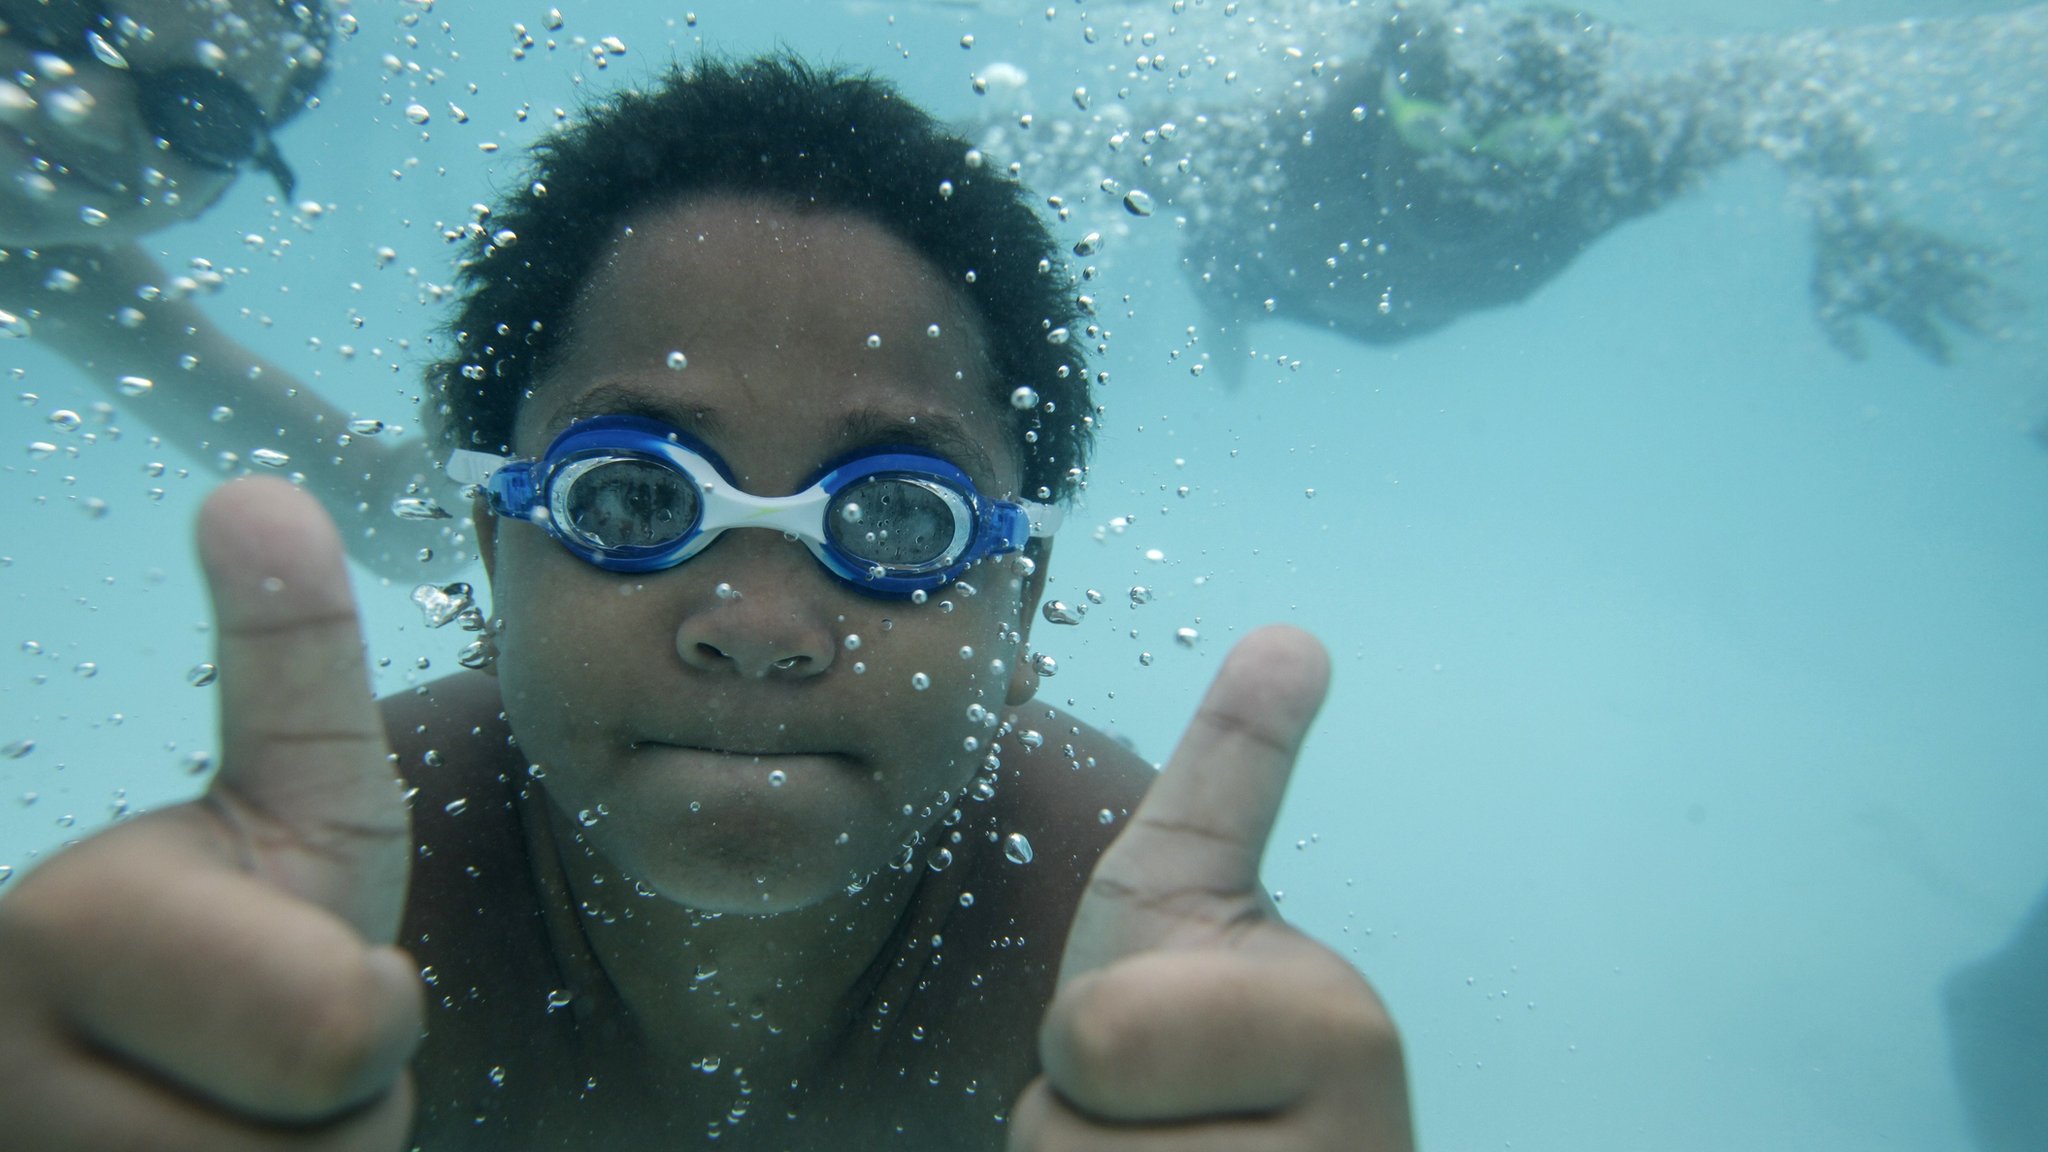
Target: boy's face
716, 726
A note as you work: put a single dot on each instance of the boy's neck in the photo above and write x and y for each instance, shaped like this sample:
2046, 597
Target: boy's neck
776, 995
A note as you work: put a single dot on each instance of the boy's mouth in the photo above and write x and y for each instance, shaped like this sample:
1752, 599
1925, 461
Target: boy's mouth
736, 757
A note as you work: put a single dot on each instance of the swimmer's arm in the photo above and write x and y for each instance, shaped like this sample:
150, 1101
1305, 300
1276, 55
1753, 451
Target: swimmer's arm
123, 317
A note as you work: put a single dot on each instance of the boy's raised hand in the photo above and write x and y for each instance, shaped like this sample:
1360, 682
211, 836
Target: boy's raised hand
219, 976
1189, 1017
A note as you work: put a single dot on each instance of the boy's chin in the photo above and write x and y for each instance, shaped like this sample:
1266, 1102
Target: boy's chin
747, 892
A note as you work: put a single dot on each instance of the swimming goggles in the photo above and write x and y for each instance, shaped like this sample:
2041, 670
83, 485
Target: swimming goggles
629, 494
200, 115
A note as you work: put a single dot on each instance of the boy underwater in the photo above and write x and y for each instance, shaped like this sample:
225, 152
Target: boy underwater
755, 836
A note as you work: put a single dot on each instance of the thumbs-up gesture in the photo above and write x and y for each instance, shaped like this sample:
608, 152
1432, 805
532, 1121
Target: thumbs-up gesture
219, 976
1189, 1016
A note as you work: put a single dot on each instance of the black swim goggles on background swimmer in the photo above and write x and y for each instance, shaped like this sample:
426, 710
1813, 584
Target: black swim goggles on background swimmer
198, 114
629, 494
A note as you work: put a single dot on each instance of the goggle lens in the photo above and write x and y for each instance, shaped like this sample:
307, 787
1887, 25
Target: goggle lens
625, 502
898, 522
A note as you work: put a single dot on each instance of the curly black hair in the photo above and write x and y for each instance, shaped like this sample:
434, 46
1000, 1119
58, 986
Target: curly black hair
820, 138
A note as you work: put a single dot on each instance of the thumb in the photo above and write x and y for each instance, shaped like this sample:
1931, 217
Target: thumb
1187, 865
305, 777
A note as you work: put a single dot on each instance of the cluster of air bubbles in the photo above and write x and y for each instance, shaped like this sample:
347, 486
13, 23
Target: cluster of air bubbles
442, 604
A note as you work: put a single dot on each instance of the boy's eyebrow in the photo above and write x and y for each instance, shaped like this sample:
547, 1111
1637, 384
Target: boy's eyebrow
627, 400
939, 433
936, 432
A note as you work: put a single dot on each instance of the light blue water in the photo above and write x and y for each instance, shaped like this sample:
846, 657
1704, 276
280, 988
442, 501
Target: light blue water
1691, 719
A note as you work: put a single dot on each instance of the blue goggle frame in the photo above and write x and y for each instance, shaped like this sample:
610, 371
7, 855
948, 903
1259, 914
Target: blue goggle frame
540, 491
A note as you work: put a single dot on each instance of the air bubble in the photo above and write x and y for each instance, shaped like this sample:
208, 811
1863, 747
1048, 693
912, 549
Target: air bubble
135, 385
1024, 398
678, 361
365, 427
418, 508
1045, 665
1186, 637
874, 340
1140, 595
1017, 848
201, 675
13, 327
1137, 202
270, 457
1088, 245
777, 778
920, 681
417, 113
1060, 612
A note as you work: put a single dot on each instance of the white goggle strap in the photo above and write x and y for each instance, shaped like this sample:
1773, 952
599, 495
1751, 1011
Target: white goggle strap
1045, 518
466, 466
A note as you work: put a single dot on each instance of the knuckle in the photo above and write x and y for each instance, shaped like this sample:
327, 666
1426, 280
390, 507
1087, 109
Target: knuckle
1107, 1032
334, 1040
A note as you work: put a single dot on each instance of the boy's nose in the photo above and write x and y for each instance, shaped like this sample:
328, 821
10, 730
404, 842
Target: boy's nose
767, 621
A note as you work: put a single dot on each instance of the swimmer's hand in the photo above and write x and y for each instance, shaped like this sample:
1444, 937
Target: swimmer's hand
1189, 1016
219, 975
1915, 280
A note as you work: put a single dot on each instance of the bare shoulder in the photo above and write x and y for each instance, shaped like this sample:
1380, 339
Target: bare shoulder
1062, 794
474, 920
1069, 787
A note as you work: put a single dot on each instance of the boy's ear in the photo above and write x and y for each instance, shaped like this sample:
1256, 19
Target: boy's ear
1023, 677
486, 528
